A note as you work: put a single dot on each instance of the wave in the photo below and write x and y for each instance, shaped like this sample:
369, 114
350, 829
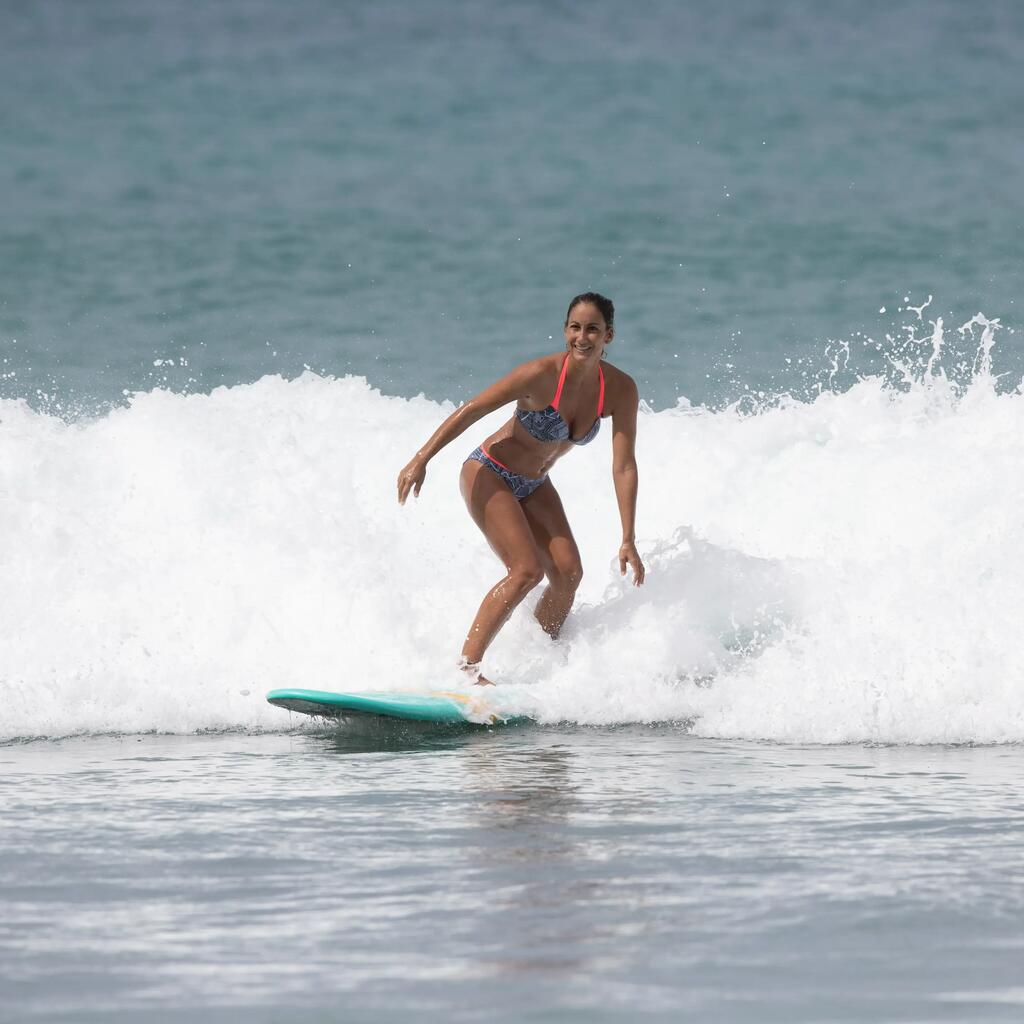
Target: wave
844, 568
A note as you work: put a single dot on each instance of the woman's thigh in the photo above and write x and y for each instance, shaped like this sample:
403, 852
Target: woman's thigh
552, 534
500, 517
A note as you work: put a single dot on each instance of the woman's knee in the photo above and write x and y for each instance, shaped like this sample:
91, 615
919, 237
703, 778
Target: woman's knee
566, 575
525, 576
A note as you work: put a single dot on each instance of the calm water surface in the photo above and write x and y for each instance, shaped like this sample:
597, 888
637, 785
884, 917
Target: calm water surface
544, 874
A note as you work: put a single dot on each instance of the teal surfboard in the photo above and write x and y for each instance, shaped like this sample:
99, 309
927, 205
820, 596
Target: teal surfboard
443, 706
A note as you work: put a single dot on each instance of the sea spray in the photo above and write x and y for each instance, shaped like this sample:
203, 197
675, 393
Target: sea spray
844, 568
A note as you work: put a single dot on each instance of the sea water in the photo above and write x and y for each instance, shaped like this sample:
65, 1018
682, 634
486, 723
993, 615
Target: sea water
530, 874
253, 254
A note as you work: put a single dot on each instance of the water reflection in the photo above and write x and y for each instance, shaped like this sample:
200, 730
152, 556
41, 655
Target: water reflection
531, 866
366, 735
520, 788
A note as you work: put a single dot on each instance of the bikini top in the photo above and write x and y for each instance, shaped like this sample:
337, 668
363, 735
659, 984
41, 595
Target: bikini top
548, 425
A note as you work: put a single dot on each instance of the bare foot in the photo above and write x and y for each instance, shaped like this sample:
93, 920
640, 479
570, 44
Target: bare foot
472, 669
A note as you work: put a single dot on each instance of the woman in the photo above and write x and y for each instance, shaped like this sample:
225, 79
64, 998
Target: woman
505, 481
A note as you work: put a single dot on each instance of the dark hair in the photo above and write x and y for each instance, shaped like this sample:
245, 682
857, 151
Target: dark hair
605, 305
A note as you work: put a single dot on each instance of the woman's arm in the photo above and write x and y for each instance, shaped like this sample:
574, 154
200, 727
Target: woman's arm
624, 473
510, 388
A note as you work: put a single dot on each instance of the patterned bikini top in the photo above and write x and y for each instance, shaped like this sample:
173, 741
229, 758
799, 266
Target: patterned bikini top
548, 425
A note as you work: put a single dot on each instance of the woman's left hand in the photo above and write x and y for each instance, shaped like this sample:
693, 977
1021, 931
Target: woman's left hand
628, 556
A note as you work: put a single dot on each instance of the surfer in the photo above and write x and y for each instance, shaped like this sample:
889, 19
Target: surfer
560, 401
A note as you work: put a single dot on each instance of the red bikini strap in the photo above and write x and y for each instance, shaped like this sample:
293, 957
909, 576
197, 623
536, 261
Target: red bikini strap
488, 455
561, 384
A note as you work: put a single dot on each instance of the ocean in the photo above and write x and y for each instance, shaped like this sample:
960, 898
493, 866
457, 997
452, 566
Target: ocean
252, 255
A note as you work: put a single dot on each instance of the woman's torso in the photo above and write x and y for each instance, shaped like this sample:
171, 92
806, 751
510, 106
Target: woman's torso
564, 411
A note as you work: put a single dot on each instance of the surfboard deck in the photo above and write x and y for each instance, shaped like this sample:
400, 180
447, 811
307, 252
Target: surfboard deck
444, 706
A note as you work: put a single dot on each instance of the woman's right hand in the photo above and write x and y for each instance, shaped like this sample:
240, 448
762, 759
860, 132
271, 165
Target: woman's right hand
411, 479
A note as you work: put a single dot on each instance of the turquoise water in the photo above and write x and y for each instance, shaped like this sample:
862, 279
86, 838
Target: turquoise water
411, 192
251, 255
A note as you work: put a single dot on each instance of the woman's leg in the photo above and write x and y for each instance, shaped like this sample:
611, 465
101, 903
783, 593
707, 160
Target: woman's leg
558, 554
501, 520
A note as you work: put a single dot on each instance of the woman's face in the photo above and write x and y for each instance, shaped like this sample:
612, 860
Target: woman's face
586, 333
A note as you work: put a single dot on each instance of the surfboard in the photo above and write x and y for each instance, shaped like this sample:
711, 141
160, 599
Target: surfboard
443, 706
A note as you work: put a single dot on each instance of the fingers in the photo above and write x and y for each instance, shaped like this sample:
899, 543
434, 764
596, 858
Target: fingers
638, 572
628, 556
407, 482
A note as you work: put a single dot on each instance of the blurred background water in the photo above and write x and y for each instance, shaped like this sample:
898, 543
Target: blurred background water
197, 194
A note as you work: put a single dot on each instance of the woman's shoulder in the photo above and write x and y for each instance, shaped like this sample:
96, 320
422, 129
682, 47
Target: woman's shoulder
550, 363
539, 366
532, 379
619, 383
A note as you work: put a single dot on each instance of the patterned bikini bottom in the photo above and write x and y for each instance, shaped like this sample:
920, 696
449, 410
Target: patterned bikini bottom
520, 486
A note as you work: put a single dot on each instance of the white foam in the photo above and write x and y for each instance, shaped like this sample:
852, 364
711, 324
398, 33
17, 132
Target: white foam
842, 569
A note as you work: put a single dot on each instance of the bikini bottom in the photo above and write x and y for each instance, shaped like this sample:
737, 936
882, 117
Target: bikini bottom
520, 486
